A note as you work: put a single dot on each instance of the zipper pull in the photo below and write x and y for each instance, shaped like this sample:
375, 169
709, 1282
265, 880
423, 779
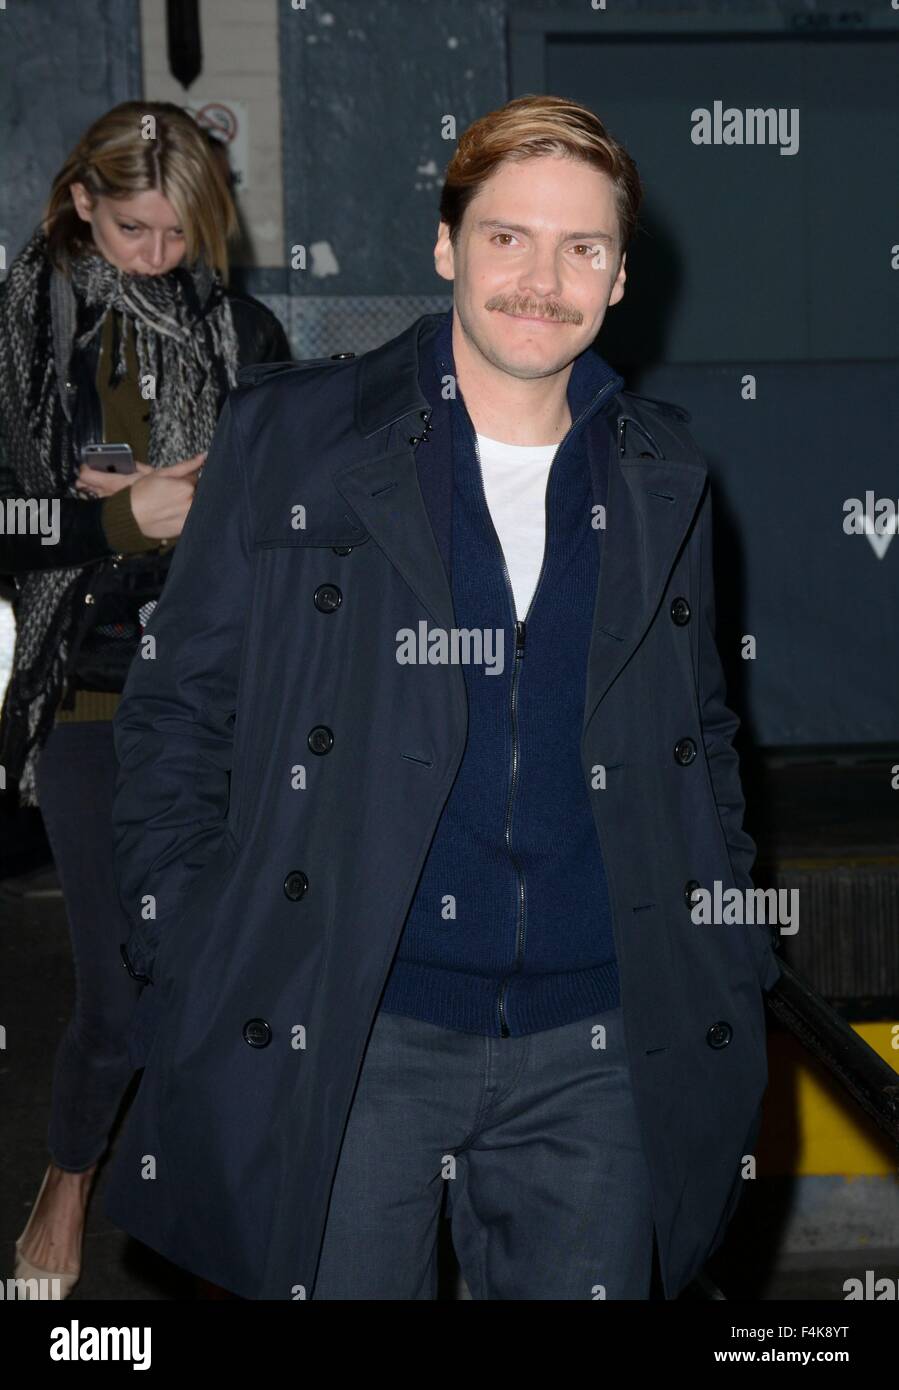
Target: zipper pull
519, 638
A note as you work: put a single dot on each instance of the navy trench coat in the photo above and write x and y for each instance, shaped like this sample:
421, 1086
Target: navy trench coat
267, 884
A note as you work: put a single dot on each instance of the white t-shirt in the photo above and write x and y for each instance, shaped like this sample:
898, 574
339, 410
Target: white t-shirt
515, 488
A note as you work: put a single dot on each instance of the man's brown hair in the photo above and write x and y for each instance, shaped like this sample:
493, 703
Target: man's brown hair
539, 125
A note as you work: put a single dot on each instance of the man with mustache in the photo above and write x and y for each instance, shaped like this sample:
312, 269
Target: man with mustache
429, 934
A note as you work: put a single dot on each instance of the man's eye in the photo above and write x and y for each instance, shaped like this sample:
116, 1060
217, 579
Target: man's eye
505, 234
581, 246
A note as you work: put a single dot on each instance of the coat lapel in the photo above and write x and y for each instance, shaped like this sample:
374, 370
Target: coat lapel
384, 493
651, 502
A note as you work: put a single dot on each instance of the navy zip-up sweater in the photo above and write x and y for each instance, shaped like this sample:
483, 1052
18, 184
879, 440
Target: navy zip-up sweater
509, 931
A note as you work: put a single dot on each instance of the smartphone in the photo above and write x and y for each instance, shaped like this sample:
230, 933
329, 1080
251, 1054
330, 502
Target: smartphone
108, 458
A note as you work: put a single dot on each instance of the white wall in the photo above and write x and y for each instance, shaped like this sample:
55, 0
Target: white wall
240, 63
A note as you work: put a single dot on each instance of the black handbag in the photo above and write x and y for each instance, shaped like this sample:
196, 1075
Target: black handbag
110, 636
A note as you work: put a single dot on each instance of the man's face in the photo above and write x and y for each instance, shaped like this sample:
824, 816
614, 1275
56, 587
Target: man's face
536, 263
140, 235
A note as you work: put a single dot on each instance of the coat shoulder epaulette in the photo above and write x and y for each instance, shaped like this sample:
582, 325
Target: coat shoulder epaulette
257, 372
677, 412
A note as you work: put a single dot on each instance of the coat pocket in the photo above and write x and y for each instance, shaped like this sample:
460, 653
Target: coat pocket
145, 1024
168, 963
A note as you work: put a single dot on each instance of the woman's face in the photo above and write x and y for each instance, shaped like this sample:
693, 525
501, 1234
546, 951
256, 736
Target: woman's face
140, 235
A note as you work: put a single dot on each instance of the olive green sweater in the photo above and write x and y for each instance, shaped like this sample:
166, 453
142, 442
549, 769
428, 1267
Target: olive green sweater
126, 420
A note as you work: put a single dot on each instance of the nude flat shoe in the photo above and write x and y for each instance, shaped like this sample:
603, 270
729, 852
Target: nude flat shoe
24, 1269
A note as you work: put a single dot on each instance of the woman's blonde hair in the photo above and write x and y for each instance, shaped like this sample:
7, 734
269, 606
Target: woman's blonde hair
539, 125
124, 153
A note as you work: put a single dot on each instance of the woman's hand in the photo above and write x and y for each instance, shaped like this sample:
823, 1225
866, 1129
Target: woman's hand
98, 483
161, 497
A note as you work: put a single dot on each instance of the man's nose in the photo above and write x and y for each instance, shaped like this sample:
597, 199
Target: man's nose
541, 275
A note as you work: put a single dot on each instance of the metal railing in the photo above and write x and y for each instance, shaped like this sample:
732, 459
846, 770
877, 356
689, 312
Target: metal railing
866, 1077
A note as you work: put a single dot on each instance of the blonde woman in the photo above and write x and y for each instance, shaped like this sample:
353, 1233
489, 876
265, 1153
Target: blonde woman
116, 327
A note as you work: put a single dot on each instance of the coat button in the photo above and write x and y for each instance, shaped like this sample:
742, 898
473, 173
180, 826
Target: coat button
684, 751
327, 598
680, 611
341, 356
342, 549
320, 739
257, 1032
295, 885
691, 887
88, 598
719, 1035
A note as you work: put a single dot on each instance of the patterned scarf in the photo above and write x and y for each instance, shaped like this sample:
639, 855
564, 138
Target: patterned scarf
185, 342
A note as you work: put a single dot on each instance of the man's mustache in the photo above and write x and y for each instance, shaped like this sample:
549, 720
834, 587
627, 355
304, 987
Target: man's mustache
529, 308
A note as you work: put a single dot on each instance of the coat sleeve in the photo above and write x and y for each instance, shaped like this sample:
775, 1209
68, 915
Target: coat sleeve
719, 726
173, 729
81, 538
260, 334
275, 347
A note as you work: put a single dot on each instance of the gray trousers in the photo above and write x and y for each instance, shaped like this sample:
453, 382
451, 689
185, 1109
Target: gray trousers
535, 1141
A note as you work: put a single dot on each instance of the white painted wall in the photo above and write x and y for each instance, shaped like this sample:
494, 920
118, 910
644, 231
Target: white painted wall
240, 64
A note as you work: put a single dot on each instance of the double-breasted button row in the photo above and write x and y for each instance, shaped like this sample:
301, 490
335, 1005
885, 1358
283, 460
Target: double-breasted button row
257, 1032
320, 739
719, 1034
680, 611
684, 751
327, 598
295, 885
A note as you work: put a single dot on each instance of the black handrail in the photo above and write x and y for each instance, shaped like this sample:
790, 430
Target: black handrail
870, 1081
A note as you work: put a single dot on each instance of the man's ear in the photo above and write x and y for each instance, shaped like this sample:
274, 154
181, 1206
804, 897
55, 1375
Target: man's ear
620, 278
444, 259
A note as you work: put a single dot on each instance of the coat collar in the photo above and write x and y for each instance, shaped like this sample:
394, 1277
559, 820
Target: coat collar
652, 499
387, 388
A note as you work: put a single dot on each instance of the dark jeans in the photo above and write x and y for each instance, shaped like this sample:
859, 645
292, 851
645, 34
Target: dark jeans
76, 776
536, 1141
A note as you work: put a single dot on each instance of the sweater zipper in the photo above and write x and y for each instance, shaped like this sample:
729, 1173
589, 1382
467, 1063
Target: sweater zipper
520, 634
